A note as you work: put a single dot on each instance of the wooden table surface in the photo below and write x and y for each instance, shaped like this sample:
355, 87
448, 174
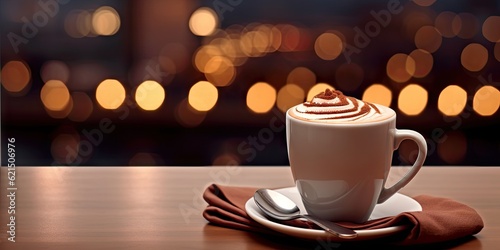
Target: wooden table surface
160, 207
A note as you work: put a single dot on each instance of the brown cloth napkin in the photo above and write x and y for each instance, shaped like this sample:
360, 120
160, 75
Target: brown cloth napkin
440, 220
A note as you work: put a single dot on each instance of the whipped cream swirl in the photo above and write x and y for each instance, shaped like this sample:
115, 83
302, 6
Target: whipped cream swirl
333, 106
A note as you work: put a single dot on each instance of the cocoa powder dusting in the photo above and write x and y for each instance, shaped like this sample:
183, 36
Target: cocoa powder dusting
342, 101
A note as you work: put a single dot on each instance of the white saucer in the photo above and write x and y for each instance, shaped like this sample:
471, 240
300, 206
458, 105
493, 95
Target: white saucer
395, 205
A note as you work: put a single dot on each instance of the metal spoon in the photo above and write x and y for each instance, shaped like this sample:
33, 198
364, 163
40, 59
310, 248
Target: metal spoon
280, 207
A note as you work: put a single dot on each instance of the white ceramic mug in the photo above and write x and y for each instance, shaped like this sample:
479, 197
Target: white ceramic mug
340, 169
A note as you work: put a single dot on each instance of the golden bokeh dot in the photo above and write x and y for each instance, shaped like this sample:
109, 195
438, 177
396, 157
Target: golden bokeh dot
302, 77
110, 94
70, 24
264, 43
290, 37
414, 20
203, 55
16, 76
452, 100
428, 38
61, 114
150, 95
378, 93
105, 21
496, 51
82, 107
261, 97
456, 25
412, 99
289, 96
55, 95
491, 28
78, 24
203, 22
187, 116
203, 96
453, 149
423, 62
316, 89
424, 3
257, 40
486, 101
220, 71
276, 39
400, 67
465, 25
328, 46
474, 57
444, 24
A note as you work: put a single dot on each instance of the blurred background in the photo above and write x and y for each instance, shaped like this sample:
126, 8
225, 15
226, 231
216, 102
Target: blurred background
176, 82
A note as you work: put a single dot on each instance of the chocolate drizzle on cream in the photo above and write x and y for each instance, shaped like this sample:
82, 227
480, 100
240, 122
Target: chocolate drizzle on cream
335, 106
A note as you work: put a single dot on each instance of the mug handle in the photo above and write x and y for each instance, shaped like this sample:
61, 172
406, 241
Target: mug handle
399, 136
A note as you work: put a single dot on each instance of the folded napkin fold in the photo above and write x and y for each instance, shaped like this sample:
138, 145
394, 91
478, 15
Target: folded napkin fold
440, 220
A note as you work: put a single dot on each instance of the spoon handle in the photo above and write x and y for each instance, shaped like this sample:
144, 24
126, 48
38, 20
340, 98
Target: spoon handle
332, 227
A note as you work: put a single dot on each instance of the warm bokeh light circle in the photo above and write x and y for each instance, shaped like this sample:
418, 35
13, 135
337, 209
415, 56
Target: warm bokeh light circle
55, 95
16, 76
289, 96
428, 38
302, 77
466, 25
423, 62
400, 67
486, 101
474, 57
203, 22
261, 97
378, 93
105, 21
412, 99
110, 94
328, 46
203, 96
452, 100
78, 24
220, 71
444, 24
491, 28
149, 95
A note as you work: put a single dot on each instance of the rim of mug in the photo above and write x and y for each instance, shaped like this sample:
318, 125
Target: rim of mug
343, 124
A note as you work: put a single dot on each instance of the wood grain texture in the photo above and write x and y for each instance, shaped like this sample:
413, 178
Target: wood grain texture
160, 207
